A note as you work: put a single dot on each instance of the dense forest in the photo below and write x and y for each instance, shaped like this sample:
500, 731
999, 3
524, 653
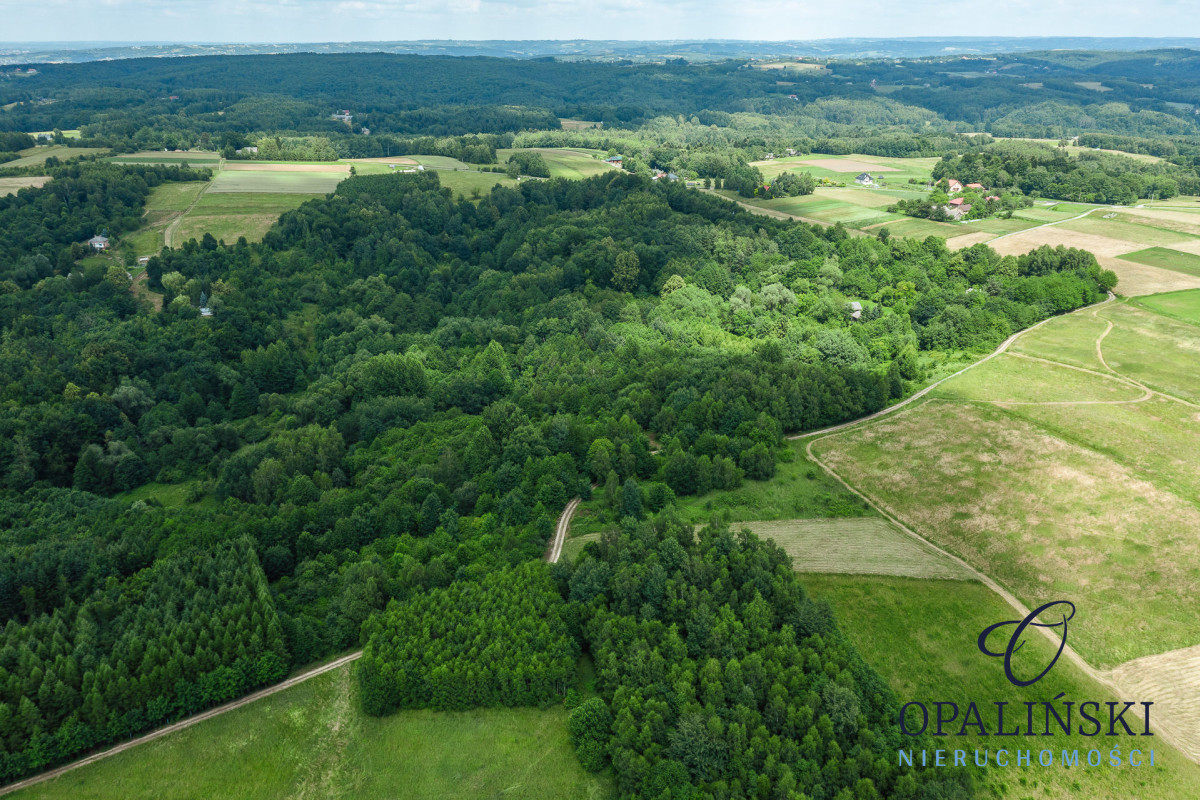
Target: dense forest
719, 677
1040, 170
398, 390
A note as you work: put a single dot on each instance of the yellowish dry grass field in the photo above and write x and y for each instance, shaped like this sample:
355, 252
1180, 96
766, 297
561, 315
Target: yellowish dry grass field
866, 545
14, 185
1043, 516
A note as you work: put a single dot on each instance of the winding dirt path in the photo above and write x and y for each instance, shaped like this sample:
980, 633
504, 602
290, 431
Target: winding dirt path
169, 232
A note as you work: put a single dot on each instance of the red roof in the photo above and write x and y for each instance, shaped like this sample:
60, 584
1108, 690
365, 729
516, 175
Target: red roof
958, 201
974, 185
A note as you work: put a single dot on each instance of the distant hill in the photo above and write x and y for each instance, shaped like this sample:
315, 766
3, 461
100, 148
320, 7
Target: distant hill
708, 49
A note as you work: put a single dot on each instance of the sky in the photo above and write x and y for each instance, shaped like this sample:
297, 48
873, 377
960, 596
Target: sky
392, 20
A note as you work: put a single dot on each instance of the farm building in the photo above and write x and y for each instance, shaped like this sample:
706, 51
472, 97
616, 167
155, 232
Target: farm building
974, 185
98, 242
957, 211
958, 201
614, 160
855, 309
955, 186
864, 180
344, 115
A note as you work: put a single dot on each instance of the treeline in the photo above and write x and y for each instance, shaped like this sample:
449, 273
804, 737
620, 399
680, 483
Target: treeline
717, 675
1090, 177
192, 631
501, 641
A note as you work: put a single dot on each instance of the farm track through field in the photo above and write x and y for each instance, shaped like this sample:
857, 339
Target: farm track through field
169, 232
1174, 675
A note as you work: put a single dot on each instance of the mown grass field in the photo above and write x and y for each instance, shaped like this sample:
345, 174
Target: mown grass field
921, 636
1154, 349
1175, 260
37, 155
311, 741
1183, 306
868, 546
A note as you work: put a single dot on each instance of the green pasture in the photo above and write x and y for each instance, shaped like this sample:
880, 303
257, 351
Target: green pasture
567, 162
1156, 350
174, 195
1012, 379
920, 635
465, 183
229, 216
1069, 339
1183, 305
1174, 260
313, 741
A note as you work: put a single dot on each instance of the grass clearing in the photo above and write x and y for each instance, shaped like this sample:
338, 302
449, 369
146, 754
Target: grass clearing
465, 183
14, 185
866, 546
1045, 517
196, 158
174, 196
228, 216
921, 637
1165, 258
1126, 231
312, 741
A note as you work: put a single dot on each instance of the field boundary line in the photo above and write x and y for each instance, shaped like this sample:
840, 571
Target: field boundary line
184, 723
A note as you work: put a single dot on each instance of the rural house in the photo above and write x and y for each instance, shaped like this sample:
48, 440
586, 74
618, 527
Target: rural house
958, 201
955, 186
344, 115
864, 180
98, 242
855, 309
614, 160
974, 185
957, 212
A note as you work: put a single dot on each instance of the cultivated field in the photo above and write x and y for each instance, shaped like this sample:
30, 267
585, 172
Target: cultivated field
14, 185
311, 741
269, 180
194, 158
921, 637
870, 546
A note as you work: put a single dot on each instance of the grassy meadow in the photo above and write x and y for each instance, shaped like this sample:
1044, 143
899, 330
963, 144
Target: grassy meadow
1061, 479
14, 185
312, 741
921, 637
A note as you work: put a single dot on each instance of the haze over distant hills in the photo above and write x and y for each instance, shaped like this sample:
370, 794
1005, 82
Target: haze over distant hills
581, 49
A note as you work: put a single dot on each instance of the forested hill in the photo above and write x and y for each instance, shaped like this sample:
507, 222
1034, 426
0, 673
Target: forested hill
1151, 93
399, 389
